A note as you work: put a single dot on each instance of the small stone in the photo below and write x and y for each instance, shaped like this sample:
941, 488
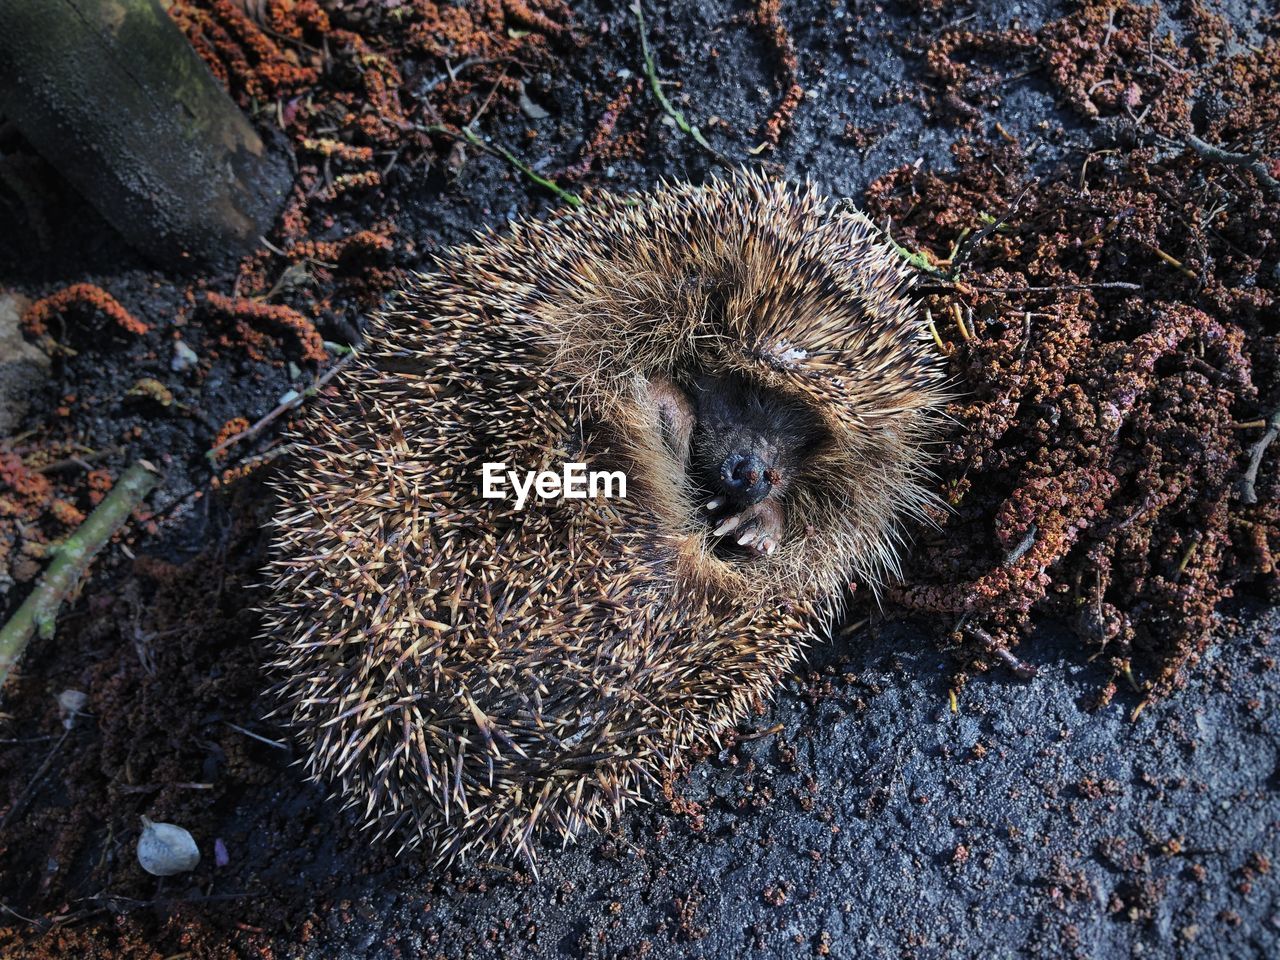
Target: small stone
530, 109
166, 849
184, 358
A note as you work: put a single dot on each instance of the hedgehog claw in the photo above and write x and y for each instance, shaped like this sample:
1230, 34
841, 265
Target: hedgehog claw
728, 525
715, 504
759, 526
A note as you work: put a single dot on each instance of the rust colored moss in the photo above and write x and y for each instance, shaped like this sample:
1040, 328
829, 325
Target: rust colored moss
83, 297
768, 16
276, 317
1096, 471
233, 427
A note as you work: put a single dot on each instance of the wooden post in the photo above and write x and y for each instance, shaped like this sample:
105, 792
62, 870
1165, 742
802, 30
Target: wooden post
111, 93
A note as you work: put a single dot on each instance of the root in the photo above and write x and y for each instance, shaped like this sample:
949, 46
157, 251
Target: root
1247, 492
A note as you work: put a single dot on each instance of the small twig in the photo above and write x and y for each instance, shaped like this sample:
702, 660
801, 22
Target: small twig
487, 100
82, 461
1251, 162
1175, 263
122, 904
920, 261
1110, 285
1111, 28
272, 247
944, 348
1126, 668
955, 247
761, 734
1247, 492
451, 72
14, 913
1027, 542
153, 787
651, 72
969, 243
498, 150
281, 408
854, 627
572, 199
39, 611
1186, 560
1021, 669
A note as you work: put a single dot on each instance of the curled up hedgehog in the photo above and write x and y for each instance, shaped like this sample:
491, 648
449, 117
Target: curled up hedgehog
470, 672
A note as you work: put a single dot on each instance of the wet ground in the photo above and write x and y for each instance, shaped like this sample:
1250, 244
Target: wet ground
902, 797
879, 822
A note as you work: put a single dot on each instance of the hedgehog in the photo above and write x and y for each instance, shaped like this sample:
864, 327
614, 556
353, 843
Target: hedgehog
475, 677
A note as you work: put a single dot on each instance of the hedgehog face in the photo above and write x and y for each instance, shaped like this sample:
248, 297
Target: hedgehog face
740, 444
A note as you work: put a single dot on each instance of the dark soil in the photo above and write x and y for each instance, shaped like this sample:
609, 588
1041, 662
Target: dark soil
1058, 737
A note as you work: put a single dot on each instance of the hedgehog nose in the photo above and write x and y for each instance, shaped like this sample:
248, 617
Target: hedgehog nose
743, 477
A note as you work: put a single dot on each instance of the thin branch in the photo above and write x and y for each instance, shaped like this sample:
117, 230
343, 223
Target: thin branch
572, 199
30, 788
1021, 669
498, 150
281, 408
970, 243
651, 72
1175, 263
1027, 542
916, 259
761, 734
1251, 162
1247, 492
40, 610
1109, 285
256, 736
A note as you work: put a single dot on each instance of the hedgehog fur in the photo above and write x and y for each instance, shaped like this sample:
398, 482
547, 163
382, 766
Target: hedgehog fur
468, 676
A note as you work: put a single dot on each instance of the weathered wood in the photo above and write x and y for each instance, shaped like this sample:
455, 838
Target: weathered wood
111, 93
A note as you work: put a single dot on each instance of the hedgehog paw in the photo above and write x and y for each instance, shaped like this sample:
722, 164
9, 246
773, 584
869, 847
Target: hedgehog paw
757, 527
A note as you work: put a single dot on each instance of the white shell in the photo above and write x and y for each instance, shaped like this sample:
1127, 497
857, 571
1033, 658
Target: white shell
165, 849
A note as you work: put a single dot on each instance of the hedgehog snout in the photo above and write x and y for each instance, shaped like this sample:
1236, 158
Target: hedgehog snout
745, 478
